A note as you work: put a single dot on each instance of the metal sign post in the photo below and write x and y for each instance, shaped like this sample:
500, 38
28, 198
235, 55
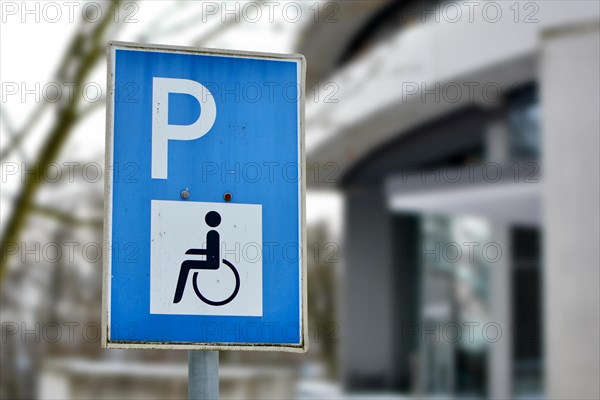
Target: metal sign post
203, 375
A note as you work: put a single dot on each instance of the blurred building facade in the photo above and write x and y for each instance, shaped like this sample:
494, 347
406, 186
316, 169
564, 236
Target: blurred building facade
465, 143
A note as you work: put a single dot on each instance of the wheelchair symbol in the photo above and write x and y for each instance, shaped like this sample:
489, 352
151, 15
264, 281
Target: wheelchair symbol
212, 262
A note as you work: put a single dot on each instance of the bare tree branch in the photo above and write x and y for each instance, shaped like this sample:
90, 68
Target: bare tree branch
66, 218
21, 134
85, 50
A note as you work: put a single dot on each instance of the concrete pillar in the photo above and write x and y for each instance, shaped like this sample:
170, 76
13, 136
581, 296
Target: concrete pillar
501, 360
570, 83
367, 324
498, 142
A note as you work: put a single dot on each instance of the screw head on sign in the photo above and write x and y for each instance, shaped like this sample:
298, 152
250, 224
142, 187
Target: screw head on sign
185, 194
227, 196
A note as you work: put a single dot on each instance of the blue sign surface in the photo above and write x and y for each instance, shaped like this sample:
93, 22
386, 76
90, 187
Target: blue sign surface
204, 209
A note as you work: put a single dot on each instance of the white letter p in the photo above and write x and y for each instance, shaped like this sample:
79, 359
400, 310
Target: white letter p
162, 132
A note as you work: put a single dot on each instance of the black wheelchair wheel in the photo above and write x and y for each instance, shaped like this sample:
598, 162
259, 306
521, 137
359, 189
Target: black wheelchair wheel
222, 302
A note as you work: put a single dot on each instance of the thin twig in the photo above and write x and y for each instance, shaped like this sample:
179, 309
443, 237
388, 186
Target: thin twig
66, 218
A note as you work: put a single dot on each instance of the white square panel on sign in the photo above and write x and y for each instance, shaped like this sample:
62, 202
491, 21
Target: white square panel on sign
206, 258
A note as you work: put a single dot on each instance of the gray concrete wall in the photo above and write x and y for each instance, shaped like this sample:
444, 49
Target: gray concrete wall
570, 95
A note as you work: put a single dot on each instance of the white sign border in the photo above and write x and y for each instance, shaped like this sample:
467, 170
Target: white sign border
112, 46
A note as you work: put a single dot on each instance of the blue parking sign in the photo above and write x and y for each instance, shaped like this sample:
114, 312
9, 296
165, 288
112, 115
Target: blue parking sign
204, 200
